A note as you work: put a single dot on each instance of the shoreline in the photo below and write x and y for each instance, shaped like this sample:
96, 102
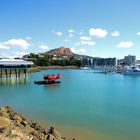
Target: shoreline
15, 126
38, 68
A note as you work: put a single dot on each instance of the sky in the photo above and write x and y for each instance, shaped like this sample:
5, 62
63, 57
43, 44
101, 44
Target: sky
99, 28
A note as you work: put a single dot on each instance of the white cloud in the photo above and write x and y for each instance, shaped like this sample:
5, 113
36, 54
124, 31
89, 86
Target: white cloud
71, 31
2, 54
85, 38
90, 43
115, 33
71, 35
67, 40
17, 43
138, 33
4, 47
20, 54
87, 41
14, 54
81, 33
125, 44
77, 44
82, 50
59, 34
78, 51
98, 32
72, 49
45, 47
28, 37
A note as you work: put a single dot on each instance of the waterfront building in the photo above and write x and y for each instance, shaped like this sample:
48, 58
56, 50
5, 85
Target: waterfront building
130, 60
99, 62
137, 64
120, 62
104, 62
87, 61
17, 66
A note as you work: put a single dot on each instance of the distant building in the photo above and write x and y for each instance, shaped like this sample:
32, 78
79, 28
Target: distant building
99, 62
130, 60
104, 62
120, 62
137, 63
87, 61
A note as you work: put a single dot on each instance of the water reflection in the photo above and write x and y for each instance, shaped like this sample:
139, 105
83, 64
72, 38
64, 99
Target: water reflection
52, 86
13, 81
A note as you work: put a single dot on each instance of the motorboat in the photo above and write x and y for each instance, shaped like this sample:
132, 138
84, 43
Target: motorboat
85, 68
49, 79
131, 71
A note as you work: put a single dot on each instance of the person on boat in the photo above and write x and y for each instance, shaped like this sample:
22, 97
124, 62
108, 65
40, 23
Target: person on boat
58, 75
52, 77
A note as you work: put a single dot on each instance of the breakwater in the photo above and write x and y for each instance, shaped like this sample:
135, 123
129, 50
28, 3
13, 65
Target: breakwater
14, 126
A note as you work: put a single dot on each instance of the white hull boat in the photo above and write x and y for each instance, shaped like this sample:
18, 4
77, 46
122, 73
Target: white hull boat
131, 71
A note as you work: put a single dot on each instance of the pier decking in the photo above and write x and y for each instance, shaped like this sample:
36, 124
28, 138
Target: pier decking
14, 66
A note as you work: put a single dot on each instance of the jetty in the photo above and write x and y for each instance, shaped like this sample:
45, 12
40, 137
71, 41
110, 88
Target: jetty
14, 66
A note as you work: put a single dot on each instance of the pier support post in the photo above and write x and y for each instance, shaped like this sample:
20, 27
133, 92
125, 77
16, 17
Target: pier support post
25, 71
16, 72
19, 73
0, 73
10, 73
6, 73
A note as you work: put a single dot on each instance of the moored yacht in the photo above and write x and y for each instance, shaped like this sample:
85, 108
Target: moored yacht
86, 68
131, 71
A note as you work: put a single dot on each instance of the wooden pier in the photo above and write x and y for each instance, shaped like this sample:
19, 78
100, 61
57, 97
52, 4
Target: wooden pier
9, 72
14, 67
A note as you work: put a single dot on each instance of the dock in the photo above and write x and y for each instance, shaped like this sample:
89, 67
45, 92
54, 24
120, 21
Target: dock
14, 66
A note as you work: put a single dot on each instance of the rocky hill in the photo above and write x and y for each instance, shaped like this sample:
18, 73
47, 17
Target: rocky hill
60, 51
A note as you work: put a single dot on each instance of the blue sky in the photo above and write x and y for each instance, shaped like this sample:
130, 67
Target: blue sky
103, 28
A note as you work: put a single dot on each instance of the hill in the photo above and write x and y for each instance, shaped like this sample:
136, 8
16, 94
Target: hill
60, 51
58, 57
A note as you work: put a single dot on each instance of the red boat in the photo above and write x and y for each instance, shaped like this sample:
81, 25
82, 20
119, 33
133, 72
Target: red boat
46, 82
49, 79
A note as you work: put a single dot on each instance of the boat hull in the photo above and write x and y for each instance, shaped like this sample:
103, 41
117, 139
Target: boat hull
46, 82
131, 73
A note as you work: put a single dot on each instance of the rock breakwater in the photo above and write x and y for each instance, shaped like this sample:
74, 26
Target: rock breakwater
14, 126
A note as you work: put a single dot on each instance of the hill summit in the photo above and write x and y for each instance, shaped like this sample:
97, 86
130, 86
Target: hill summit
60, 51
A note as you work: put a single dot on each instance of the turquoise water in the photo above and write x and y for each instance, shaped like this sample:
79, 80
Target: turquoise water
85, 102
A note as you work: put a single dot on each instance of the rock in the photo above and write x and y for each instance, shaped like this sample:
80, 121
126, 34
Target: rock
7, 132
14, 133
14, 126
55, 133
4, 122
50, 137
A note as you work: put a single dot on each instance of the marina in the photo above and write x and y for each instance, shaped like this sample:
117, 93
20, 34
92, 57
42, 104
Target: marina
105, 106
69, 70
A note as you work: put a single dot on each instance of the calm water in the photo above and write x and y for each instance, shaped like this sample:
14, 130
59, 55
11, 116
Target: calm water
85, 105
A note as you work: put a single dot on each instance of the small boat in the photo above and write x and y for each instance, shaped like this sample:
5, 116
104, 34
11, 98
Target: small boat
46, 82
131, 71
49, 79
85, 68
